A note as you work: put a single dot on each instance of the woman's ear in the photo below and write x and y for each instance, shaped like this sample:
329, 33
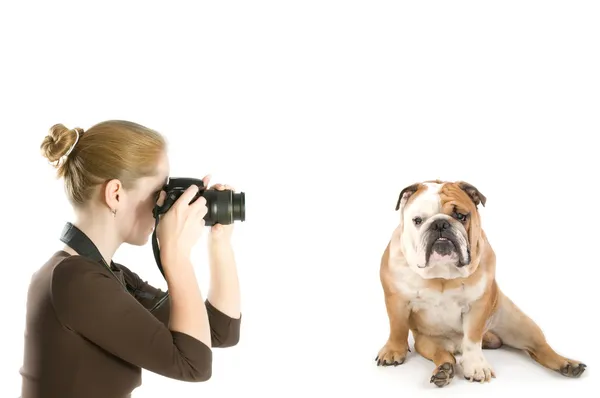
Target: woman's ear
113, 192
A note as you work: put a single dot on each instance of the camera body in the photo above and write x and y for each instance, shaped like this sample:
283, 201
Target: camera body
224, 207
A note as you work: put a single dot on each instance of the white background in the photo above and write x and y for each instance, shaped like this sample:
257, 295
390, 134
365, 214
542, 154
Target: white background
322, 111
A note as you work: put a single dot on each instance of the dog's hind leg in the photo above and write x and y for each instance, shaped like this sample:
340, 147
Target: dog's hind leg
433, 349
517, 330
491, 341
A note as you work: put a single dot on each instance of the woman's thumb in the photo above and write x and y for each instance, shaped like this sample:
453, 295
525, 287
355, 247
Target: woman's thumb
161, 198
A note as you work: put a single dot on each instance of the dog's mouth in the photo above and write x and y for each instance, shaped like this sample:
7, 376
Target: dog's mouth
443, 247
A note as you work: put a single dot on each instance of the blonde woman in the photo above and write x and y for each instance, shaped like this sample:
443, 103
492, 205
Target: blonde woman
93, 324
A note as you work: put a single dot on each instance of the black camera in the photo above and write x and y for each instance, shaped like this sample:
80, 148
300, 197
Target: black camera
224, 207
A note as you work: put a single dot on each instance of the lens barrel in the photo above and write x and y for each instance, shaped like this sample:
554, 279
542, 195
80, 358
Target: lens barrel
224, 207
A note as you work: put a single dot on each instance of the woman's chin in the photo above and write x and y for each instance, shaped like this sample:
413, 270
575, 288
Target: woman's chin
140, 240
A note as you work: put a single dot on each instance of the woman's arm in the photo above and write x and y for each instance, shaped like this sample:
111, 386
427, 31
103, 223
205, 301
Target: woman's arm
92, 303
188, 313
224, 292
225, 330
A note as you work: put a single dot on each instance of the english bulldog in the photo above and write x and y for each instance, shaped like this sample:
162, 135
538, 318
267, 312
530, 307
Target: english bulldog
438, 278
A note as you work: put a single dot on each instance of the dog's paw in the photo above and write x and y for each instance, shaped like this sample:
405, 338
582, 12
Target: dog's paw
572, 369
392, 354
476, 368
443, 374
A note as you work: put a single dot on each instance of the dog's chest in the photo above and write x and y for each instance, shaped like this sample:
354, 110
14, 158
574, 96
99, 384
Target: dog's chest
437, 311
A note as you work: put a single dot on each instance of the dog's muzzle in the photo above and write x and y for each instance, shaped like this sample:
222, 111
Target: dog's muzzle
445, 240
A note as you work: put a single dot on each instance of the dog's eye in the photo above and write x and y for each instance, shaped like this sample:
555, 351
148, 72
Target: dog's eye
417, 220
460, 217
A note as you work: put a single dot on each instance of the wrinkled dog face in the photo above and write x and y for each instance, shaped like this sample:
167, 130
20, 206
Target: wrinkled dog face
440, 227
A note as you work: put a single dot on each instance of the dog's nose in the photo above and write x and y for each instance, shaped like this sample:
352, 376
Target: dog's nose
440, 225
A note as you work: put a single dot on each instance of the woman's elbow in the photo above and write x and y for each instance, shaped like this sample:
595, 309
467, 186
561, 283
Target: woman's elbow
231, 341
191, 360
198, 373
228, 339
196, 367
202, 375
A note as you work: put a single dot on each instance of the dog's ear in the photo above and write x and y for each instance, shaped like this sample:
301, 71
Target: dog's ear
476, 196
406, 193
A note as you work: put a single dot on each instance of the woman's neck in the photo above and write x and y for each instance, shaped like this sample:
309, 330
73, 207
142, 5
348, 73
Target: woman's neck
101, 230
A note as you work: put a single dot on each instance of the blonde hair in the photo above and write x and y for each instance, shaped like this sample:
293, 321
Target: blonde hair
114, 149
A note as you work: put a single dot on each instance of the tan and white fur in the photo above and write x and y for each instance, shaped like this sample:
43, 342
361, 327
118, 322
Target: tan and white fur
438, 278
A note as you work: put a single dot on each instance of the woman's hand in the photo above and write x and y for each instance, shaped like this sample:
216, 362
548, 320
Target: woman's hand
180, 228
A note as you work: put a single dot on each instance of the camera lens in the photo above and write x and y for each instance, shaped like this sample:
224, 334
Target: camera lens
224, 207
239, 206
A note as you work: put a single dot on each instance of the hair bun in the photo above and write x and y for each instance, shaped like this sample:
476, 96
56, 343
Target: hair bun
58, 142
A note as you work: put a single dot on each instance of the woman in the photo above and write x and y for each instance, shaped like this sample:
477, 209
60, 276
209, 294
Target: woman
93, 324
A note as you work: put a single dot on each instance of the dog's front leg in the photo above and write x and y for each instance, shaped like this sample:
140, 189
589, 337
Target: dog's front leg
395, 349
475, 366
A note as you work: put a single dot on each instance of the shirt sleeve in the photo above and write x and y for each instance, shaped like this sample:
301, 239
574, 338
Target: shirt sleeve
93, 303
224, 330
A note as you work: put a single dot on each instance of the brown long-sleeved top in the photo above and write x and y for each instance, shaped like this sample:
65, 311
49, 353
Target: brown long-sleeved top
87, 337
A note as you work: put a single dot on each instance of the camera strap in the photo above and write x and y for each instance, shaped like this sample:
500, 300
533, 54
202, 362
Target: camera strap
155, 247
83, 245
